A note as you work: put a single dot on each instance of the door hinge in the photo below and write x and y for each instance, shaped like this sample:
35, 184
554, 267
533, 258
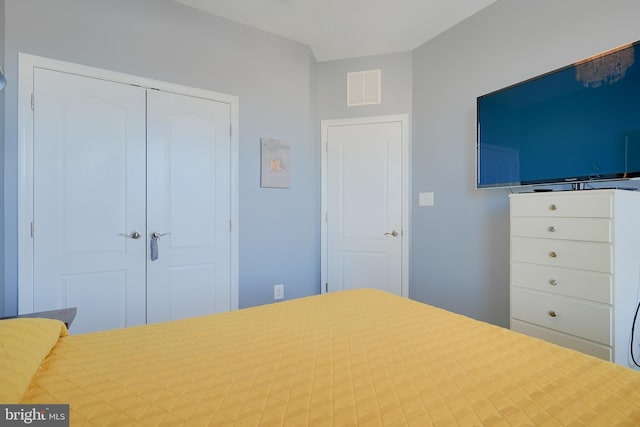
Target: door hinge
230, 131
326, 286
326, 147
33, 228
230, 226
326, 217
33, 102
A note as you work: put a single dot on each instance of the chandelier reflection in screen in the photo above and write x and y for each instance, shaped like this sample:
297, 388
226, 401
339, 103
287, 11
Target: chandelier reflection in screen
605, 68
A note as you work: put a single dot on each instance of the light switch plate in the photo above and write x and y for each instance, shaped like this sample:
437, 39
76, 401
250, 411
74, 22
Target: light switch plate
425, 199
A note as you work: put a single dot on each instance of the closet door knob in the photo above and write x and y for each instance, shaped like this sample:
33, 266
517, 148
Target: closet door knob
553, 207
156, 235
133, 235
552, 313
553, 282
552, 229
553, 254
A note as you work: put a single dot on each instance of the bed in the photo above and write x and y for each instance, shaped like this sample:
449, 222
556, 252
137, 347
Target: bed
361, 357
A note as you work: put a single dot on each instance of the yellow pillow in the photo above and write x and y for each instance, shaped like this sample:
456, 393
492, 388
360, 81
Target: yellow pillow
24, 343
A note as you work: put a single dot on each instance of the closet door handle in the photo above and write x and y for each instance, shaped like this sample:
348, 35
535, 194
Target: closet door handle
155, 235
153, 244
133, 235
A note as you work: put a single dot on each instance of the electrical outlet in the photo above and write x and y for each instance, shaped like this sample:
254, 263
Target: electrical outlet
278, 291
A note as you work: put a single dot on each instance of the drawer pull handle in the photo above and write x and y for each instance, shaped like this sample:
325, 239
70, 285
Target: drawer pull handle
553, 207
552, 313
553, 282
553, 254
552, 229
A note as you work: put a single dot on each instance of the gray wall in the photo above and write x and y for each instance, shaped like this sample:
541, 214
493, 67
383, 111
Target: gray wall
460, 249
159, 39
396, 80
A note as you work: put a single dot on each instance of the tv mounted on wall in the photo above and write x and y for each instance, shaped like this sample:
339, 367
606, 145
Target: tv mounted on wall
577, 124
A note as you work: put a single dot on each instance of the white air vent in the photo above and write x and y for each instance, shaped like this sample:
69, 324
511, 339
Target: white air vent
364, 88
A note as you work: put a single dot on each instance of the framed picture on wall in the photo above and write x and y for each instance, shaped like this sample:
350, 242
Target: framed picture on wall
275, 163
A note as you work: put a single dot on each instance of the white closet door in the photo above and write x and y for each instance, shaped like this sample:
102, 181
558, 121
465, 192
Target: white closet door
89, 197
188, 205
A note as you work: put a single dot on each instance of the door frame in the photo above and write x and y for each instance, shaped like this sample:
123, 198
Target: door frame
26, 65
403, 119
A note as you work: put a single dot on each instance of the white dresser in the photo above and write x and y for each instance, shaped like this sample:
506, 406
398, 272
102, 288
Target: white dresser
575, 269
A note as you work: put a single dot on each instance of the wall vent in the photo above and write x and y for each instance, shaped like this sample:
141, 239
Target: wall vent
364, 88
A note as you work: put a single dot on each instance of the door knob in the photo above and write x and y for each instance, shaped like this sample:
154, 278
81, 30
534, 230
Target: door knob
394, 233
156, 235
133, 235
153, 244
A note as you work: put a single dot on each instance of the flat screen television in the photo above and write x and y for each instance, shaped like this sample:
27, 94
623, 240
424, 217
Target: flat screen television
577, 124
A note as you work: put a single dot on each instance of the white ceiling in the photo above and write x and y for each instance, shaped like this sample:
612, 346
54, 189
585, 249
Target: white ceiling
337, 29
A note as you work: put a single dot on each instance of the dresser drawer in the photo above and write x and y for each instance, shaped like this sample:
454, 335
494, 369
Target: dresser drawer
563, 253
584, 319
578, 344
586, 229
563, 204
570, 282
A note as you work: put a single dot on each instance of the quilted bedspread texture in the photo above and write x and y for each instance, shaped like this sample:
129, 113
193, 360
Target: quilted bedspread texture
24, 343
354, 358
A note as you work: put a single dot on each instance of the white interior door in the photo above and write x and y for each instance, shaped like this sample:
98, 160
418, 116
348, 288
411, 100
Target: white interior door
88, 199
188, 190
114, 163
364, 206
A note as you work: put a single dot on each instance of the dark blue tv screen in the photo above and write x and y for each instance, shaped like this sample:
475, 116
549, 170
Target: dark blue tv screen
579, 123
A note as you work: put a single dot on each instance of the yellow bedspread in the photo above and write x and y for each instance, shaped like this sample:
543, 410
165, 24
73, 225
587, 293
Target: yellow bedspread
343, 359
